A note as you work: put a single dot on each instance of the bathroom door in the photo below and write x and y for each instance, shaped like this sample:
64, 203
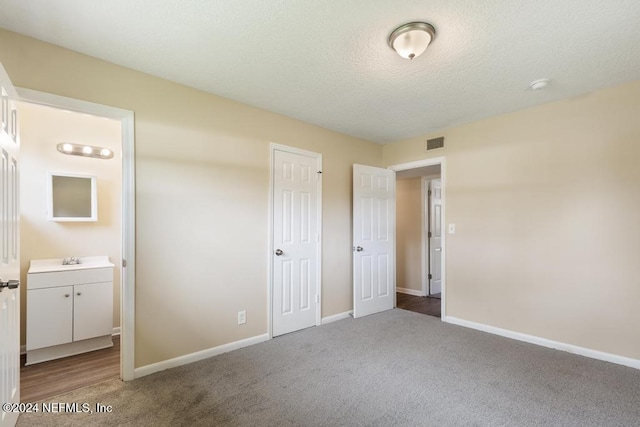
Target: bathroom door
9, 252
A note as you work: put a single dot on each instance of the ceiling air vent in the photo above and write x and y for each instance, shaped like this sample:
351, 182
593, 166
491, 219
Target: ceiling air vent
434, 143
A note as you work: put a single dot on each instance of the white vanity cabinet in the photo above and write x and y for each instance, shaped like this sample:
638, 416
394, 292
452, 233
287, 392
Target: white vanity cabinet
69, 308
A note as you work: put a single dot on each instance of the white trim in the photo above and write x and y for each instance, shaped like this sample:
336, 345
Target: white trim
127, 294
336, 317
128, 283
273, 147
198, 355
425, 259
409, 291
532, 339
116, 331
443, 169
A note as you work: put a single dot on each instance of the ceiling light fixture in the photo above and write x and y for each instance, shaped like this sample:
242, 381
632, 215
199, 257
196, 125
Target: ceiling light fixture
539, 84
84, 150
412, 39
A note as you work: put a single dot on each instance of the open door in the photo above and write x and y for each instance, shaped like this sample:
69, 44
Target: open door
374, 225
9, 253
435, 241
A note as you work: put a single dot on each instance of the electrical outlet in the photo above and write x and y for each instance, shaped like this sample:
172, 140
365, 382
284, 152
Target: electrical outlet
242, 317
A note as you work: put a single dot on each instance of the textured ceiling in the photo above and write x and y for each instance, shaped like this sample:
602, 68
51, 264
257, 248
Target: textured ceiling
328, 63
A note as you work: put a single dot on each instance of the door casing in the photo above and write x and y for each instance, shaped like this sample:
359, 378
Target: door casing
419, 164
127, 280
273, 147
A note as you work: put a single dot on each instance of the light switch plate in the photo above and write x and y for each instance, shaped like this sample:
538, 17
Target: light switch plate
452, 229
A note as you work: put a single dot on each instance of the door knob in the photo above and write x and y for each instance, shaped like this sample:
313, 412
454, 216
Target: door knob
11, 284
279, 252
359, 248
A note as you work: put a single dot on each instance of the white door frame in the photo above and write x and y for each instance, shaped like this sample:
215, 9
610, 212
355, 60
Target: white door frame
127, 279
273, 147
419, 164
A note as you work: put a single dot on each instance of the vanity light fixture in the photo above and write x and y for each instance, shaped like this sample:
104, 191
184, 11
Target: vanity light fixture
412, 39
84, 150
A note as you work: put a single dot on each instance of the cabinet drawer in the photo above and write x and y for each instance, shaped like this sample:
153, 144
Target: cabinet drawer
73, 277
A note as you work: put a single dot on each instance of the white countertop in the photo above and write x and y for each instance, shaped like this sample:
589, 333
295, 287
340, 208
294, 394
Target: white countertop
49, 265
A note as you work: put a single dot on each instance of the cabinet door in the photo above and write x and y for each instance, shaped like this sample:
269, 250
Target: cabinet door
50, 316
93, 310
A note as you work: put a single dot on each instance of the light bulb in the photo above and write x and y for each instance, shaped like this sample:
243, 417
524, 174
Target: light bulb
87, 150
67, 148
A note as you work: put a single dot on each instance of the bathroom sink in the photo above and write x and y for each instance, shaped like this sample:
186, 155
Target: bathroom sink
47, 265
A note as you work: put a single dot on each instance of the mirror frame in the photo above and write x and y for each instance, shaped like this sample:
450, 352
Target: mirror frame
94, 198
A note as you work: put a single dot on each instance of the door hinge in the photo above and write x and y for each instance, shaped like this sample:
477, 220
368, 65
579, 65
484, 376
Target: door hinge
124, 262
429, 235
317, 298
430, 276
429, 193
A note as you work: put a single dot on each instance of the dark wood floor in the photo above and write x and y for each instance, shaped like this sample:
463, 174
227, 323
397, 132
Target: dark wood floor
424, 305
48, 379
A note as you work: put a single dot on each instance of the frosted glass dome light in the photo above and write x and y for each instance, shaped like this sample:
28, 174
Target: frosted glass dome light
412, 39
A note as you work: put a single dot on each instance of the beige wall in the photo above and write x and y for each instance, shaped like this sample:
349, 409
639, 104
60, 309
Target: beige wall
409, 234
41, 129
546, 202
202, 174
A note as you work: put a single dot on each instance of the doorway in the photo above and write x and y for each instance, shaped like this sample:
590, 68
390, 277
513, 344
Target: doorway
420, 241
122, 354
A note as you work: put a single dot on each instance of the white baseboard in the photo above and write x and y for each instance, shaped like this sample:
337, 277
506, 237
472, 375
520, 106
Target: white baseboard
337, 317
409, 291
199, 355
532, 339
116, 331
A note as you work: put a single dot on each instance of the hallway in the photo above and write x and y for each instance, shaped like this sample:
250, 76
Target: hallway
423, 305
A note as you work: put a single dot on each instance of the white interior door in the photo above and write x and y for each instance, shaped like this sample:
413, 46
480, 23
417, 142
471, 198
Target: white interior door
296, 240
374, 225
9, 252
435, 242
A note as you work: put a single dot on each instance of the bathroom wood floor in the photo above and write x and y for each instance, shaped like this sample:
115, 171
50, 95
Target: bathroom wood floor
48, 379
424, 305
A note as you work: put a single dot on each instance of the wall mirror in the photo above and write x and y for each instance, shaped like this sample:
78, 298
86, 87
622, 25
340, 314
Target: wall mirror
72, 197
